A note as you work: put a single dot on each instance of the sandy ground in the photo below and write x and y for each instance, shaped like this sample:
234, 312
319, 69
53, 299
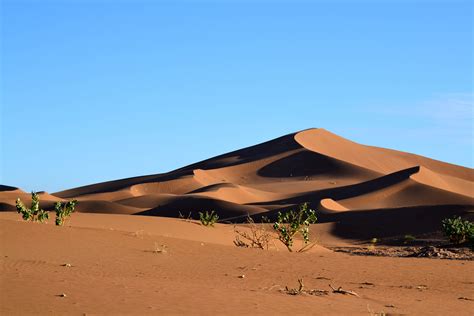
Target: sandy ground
115, 270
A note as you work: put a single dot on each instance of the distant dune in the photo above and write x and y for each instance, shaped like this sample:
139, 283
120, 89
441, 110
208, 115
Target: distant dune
345, 181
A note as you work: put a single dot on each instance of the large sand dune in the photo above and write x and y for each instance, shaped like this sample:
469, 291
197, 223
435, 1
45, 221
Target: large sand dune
117, 263
337, 176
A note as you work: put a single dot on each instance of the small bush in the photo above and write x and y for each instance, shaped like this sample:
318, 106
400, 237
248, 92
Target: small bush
457, 230
63, 211
34, 213
293, 222
258, 237
208, 218
408, 239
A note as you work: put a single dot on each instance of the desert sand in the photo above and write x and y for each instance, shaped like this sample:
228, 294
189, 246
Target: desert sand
110, 260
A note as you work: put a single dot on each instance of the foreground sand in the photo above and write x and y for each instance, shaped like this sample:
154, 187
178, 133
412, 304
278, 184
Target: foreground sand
116, 271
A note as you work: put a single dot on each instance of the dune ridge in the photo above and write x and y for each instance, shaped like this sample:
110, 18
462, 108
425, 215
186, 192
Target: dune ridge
333, 174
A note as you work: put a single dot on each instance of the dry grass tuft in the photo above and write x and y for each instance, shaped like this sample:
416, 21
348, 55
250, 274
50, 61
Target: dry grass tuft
160, 248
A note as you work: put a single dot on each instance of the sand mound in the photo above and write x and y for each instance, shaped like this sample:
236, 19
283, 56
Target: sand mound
175, 186
93, 206
331, 173
5, 188
377, 159
444, 182
8, 196
331, 205
235, 193
147, 201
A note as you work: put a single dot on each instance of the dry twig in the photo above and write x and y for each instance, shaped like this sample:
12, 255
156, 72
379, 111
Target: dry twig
301, 290
258, 237
341, 291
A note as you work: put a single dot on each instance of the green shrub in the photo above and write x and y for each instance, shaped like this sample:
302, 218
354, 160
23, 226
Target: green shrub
293, 222
208, 218
34, 213
408, 239
457, 230
63, 211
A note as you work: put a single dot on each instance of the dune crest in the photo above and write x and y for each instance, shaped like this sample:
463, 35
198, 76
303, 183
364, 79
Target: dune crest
331, 205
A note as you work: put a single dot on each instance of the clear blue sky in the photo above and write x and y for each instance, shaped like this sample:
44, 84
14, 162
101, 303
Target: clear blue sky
100, 90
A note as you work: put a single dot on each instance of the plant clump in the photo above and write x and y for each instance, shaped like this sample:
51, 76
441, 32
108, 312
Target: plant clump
458, 230
63, 211
292, 222
208, 218
408, 239
34, 213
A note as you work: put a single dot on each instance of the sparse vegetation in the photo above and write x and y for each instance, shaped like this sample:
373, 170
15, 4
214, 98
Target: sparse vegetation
408, 239
138, 234
295, 291
160, 248
374, 313
259, 237
373, 243
186, 219
208, 218
302, 291
458, 230
34, 213
293, 222
63, 211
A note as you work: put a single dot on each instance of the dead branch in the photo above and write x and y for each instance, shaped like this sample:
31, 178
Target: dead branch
341, 291
258, 237
300, 290
307, 247
295, 291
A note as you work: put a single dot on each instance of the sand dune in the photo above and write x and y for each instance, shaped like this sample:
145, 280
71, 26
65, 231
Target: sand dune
377, 159
333, 174
445, 182
331, 205
8, 196
121, 263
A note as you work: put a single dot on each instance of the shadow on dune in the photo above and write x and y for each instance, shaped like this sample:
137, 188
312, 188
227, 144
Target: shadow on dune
382, 223
196, 204
242, 156
257, 152
348, 191
392, 222
5, 207
307, 163
7, 188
